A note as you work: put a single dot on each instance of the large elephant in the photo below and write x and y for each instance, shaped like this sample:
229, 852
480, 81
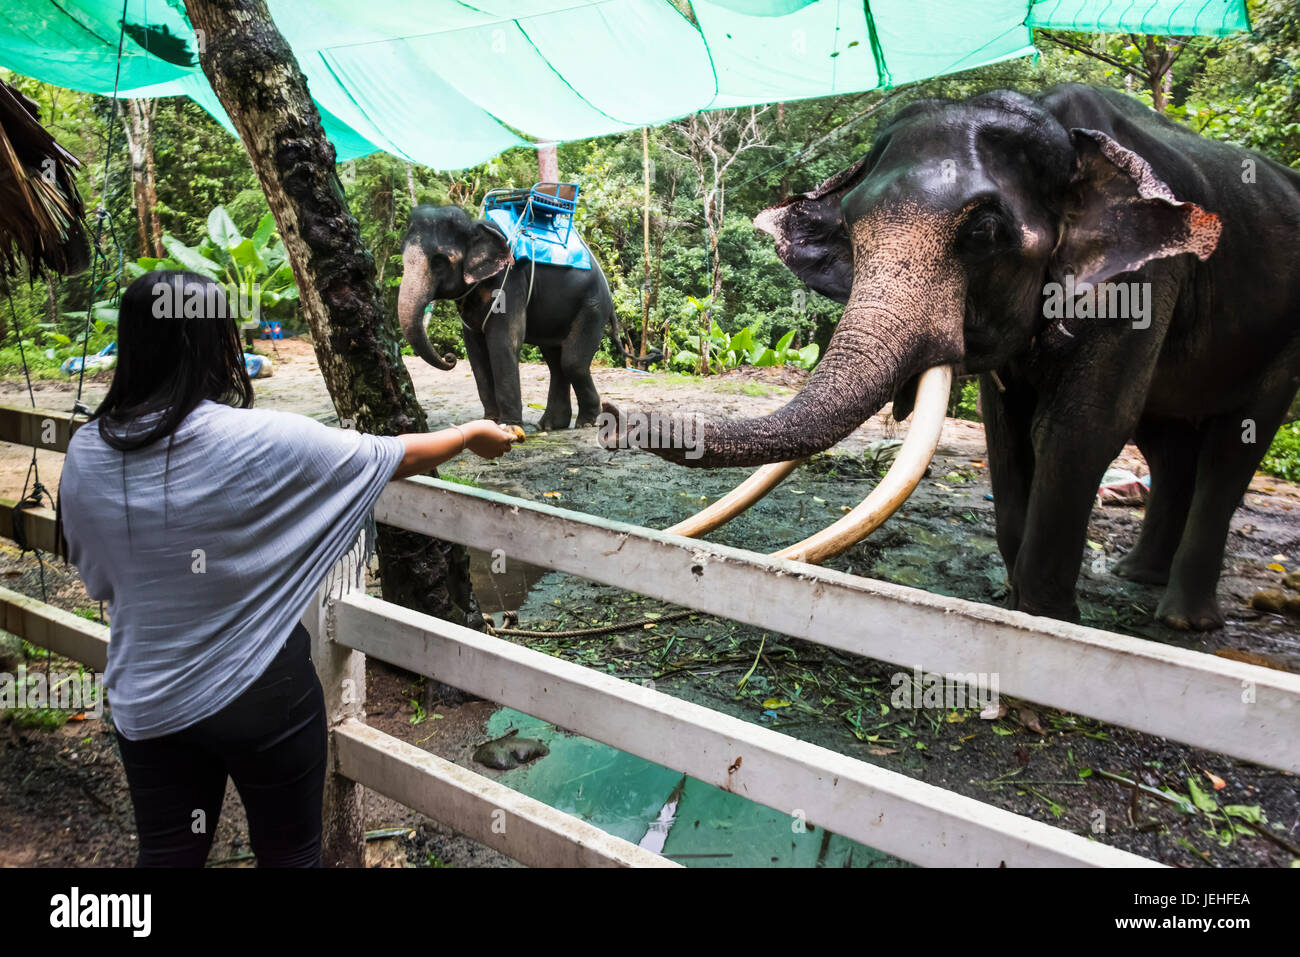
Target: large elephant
503, 304
1109, 273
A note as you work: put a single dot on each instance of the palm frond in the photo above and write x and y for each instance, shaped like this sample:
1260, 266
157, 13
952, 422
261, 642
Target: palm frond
41, 223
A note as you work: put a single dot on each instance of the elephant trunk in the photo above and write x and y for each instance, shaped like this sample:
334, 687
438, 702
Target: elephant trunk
904, 315
413, 295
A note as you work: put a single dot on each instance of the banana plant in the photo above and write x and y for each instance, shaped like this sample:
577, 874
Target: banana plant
726, 351
254, 270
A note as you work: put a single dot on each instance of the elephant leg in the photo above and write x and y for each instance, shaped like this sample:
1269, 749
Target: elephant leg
577, 369
504, 334
1226, 464
1171, 449
1087, 409
575, 360
559, 410
1007, 417
1066, 475
477, 350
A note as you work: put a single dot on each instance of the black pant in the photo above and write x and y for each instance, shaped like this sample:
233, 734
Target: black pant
271, 740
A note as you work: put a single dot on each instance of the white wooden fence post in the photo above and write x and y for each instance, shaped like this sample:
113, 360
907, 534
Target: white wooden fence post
342, 674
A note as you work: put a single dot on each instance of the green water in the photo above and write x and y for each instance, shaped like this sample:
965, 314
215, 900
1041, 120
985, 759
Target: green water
622, 794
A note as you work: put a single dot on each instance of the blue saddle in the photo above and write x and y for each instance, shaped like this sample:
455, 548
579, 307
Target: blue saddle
538, 223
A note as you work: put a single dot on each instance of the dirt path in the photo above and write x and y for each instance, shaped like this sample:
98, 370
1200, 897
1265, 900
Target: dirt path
1033, 761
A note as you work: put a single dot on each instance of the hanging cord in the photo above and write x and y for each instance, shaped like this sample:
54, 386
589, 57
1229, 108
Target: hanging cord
96, 258
501, 289
102, 216
34, 493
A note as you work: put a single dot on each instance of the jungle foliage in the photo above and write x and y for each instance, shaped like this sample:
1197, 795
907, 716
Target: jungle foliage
703, 246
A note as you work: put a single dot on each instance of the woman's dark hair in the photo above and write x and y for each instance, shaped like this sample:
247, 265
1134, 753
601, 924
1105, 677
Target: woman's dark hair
176, 346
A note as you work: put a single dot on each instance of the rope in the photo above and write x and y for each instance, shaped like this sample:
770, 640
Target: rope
34, 492
101, 215
585, 632
38, 492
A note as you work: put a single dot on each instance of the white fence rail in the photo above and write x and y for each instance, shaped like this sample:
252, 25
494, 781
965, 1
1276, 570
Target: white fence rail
883, 809
1221, 705
1199, 699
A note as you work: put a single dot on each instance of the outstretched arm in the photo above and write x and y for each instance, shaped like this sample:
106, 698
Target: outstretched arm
427, 450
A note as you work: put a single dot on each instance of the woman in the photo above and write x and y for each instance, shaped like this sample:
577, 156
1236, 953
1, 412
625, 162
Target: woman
207, 526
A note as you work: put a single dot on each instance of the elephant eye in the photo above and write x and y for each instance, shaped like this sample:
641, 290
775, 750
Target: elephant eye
983, 233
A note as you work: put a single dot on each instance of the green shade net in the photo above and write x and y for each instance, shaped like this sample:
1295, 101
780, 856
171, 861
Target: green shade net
449, 84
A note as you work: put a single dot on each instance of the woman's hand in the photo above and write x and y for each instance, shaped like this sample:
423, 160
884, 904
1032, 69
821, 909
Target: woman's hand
428, 450
488, 439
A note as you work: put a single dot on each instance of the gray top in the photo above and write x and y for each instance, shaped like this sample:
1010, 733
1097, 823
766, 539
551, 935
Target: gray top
206, 564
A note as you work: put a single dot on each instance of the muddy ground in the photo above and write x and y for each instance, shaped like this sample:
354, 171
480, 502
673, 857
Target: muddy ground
62, 793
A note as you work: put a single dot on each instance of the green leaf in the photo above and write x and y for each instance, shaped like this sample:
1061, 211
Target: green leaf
190, 258
245, 254
222, 228
1247, 812
1184, 805
282, 276
783, 344
265, 230
1200, 798
808, 355
104, 312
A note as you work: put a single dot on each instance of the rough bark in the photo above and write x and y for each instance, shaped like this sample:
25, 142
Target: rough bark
257, 79
137, 119
548, 164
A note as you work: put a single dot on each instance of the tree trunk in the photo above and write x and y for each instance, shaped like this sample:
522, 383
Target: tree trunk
548, 164
137, 120
151, 176
130, 123
661, 236
256, 78
645, 225
715, 293
52, 298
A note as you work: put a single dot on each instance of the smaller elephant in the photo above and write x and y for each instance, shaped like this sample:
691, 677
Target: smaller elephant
503, 304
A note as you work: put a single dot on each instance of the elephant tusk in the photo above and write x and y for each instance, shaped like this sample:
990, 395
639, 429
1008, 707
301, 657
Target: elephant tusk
903, 476
737, 500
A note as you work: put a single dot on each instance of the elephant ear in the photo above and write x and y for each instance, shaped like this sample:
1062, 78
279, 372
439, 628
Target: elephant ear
488, 253
1120, 215
810, 234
